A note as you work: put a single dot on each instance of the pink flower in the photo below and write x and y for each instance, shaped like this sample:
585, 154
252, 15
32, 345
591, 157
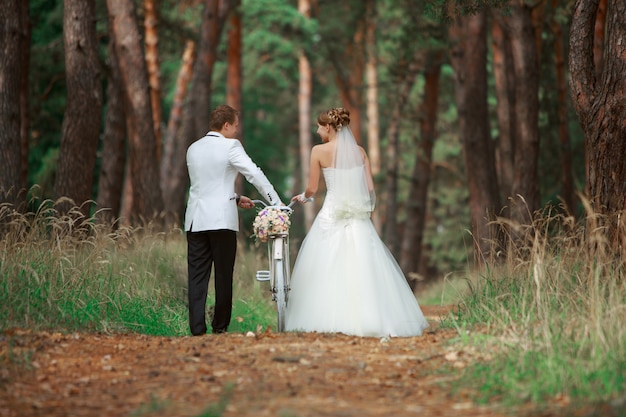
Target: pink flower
270, 221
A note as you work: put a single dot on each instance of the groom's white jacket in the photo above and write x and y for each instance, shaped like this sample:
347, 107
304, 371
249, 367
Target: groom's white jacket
213, 163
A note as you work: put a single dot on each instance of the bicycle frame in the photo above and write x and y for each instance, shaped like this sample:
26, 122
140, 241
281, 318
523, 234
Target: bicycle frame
279, 274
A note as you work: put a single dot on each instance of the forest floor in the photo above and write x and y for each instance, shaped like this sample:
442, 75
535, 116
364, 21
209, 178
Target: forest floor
258, 374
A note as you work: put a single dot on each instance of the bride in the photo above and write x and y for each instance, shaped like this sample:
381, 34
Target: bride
344, 279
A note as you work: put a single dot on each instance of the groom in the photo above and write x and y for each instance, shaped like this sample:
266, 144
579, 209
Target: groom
211, 219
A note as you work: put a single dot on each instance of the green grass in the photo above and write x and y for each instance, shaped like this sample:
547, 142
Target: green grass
71, 273
551, 318
450, 290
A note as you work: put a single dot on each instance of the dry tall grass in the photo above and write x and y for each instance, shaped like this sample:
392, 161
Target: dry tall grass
556, 305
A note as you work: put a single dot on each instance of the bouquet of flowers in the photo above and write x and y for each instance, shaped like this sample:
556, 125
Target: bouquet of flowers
270, 221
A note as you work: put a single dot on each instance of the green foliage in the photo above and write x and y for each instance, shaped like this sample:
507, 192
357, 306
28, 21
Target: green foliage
447, 241
551, 148
46, 174
46, 80
274, 34
445, 10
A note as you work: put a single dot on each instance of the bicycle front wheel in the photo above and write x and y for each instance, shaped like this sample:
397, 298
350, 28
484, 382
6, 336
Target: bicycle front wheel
281, 294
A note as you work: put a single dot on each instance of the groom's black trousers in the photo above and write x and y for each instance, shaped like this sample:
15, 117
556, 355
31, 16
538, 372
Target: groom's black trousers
205, 249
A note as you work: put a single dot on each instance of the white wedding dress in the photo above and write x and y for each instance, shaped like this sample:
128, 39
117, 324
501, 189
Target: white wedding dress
345, 280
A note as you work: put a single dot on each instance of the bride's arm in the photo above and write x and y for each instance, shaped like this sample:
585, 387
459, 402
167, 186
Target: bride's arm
314, 173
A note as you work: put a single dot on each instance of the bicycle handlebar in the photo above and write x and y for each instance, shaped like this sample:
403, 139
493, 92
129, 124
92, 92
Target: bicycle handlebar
264, 204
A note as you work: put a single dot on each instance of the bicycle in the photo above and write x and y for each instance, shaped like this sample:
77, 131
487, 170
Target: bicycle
279, 274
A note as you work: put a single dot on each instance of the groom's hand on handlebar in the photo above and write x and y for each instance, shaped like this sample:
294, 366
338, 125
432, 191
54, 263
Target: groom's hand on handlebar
245, 202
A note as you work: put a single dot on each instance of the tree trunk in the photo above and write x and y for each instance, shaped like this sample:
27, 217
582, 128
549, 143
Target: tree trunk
599, 103
504, 77
350, 85
176, 113
416, 206
147, 201
391, 179
599, 36
152, 61
469, 59
234, 84
526, 65
111, 183
197, 108
567, 174
234, 67
305, 87
126, 211
10, 76
371, 77
81, 124
537, 17
24, 113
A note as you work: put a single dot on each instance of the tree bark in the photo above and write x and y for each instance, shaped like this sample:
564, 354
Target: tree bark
146, 193
24, 113
10, 76
371, 77
176, 114
567, 173
305, 88
113, 161
504, 77
416, 206
234, 68
391, 178
599, 36
197, 108
350, 84
152, 61
599, 103
537, 17
126, 210
526, 65
234, 83
81, 124
469, 59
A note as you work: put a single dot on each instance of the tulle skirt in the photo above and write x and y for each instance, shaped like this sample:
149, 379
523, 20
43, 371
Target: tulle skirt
345, 280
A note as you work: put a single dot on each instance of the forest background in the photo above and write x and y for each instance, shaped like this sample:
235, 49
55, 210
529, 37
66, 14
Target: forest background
464, 107
497, 139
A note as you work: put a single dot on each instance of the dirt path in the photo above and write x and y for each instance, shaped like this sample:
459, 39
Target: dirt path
264, 374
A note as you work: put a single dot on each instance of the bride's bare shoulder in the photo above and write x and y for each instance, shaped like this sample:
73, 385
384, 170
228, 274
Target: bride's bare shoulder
323, 154
323, 148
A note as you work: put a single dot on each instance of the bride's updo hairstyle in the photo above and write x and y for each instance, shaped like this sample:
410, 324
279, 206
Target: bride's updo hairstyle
337, 118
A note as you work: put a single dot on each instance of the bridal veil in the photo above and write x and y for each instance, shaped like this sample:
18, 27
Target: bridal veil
354, 191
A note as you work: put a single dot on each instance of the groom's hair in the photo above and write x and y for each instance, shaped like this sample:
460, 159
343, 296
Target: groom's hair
221, 115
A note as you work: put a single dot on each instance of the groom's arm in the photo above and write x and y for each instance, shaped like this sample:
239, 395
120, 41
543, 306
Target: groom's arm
254, 175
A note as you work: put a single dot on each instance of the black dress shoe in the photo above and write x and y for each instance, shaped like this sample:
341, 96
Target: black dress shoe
218, 331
